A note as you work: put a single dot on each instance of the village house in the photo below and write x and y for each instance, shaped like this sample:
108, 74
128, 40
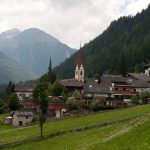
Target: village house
72, 85
56, 107
24, 91
22, 118
112, 90
140, 85
91, 90
122, 92
8, 120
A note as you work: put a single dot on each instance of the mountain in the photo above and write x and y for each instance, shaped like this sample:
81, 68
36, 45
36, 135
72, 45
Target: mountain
32, 48
10, 34
11, 71
123, 46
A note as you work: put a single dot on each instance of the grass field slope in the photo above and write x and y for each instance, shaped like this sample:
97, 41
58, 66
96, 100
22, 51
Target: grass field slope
126, 129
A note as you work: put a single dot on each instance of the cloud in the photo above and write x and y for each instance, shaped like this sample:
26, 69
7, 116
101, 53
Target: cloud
71, 21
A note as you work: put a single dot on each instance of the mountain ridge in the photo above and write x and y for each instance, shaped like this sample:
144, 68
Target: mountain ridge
33, 48
127, 38
11, 71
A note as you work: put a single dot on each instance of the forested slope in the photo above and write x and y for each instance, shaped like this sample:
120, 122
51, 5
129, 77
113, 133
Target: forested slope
123, 46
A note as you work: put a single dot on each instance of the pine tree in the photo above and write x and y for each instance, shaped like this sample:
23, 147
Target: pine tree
51, 74
9, 89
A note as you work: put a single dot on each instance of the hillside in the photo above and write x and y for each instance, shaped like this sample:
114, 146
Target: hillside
11, 71
123, 46
95, 131
33, 48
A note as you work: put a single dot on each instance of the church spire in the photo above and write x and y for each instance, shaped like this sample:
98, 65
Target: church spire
79, 71
79, 58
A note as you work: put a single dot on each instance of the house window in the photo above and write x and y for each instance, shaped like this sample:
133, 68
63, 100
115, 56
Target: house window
81, 73
27, 117
124, 89
116, 89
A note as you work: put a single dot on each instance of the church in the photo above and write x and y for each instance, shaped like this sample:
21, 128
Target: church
78, 82
79, 70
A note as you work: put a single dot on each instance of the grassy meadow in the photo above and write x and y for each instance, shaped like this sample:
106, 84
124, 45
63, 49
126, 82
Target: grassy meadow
121, 136
2, 126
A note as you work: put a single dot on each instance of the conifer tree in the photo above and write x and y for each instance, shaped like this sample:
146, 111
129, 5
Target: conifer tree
51, 74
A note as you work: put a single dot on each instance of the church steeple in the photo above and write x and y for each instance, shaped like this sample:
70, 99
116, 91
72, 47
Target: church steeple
79, 71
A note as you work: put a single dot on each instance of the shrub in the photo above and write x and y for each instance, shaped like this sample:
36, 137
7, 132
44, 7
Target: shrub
135, 100
71, 102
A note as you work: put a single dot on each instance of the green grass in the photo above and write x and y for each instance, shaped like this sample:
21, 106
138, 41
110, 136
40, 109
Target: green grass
122, 136
137, 139
2, 117
4, 127
64, 125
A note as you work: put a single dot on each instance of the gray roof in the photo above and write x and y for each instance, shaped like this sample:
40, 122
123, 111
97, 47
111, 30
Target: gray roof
113, 78
96, 88
139, 76
92, 86
71, 83
139, 84
27, 87
23, 113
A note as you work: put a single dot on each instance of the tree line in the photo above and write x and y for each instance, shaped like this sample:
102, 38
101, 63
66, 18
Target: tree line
123, 47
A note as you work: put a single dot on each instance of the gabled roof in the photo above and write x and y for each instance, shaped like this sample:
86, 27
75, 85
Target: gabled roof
113, 79
96, 88
139, 76
23, 113
71, 83
25, 87
140, 84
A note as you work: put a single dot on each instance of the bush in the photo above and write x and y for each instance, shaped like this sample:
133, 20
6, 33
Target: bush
57, 89
144, 96
135, 100
3, 107
76, 94
14, 102
71, 102
95, 105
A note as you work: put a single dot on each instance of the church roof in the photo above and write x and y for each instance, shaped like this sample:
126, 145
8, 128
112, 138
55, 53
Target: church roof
79, 58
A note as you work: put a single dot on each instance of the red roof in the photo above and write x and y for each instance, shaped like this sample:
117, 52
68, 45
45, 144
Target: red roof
57, 107
79, 59
27, 104
49, 107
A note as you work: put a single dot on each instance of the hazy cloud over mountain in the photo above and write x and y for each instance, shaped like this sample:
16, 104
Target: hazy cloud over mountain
71, 21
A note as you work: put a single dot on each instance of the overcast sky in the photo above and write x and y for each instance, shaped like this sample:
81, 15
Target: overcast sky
70, 21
